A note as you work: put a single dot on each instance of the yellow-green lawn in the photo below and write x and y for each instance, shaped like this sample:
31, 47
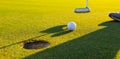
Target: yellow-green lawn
96, 35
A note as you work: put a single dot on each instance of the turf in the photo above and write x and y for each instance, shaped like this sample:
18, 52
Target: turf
96, 36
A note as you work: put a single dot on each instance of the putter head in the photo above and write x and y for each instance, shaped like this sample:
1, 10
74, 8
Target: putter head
82, 10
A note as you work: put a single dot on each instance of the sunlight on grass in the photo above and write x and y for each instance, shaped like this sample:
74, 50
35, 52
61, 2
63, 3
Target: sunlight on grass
118, 55
22, 20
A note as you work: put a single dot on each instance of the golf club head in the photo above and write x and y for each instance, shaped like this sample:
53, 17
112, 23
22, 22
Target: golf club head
82, 10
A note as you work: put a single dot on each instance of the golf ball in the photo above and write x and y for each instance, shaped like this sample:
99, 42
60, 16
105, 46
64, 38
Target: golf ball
71, 26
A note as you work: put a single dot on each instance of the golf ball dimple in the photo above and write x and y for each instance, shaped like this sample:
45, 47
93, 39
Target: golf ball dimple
71, 26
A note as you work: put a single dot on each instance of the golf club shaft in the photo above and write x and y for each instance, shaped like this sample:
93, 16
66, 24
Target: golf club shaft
86, 3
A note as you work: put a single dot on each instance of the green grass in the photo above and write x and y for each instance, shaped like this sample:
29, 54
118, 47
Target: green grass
96, 36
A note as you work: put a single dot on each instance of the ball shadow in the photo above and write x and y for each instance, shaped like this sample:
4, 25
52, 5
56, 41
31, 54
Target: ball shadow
57, 30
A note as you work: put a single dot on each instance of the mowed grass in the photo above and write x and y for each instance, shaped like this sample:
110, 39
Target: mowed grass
96, 35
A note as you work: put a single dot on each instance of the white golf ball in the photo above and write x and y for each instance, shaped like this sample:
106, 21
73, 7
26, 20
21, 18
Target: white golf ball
71, 26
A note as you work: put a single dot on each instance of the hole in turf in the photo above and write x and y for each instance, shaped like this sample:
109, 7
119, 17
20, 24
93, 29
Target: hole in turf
35, 44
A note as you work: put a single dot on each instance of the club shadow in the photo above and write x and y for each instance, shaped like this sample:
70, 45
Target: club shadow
33, 38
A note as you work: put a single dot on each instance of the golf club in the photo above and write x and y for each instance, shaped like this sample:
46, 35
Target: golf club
83, 10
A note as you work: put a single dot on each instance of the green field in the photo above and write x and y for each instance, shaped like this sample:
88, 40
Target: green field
96, 35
